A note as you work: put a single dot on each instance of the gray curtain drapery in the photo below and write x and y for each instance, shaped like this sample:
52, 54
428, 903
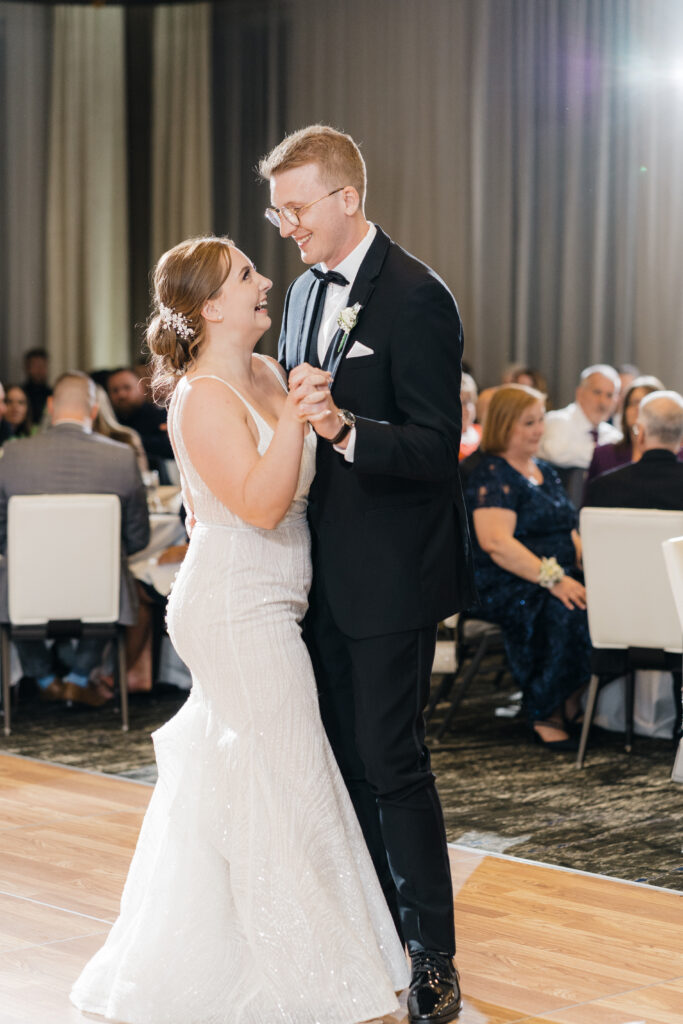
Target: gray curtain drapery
515, 148
530, 150
181, 126
87, 268
251, 72
24, 91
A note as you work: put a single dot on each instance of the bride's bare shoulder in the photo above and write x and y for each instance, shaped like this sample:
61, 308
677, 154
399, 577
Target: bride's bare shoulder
206, 396
270, 368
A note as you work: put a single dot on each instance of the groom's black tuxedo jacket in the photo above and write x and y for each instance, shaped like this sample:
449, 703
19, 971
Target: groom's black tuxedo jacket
390, 531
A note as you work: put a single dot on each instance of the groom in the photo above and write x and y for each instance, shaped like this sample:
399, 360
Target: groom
389, 529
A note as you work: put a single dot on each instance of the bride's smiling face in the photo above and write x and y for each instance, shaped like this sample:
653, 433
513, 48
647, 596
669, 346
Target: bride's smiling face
241, 302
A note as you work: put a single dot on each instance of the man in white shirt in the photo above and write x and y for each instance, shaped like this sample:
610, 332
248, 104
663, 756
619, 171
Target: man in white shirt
572, 433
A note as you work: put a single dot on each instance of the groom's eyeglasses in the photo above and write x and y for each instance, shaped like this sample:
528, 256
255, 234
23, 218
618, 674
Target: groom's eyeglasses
291, 213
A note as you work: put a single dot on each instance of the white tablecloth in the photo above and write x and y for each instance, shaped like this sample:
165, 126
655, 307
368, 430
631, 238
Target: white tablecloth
654, 712
166, 531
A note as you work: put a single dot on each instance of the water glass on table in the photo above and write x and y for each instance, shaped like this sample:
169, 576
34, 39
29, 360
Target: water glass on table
150, 479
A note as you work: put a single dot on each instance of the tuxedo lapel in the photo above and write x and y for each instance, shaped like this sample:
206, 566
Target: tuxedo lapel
361, 291
305, 322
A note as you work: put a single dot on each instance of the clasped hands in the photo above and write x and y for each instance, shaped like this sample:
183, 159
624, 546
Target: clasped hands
309, 389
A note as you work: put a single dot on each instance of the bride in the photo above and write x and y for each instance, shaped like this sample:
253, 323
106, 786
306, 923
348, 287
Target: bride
251, 898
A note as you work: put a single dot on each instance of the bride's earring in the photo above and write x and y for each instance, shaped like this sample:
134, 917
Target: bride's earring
211, 313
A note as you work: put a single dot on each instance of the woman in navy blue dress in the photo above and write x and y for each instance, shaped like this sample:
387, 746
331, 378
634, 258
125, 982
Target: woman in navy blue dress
527, 554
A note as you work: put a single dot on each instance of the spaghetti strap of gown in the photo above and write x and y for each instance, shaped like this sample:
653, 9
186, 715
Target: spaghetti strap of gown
251, 897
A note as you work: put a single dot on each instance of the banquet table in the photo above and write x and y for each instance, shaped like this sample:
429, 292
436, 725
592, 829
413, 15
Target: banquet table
166, 530
654, 710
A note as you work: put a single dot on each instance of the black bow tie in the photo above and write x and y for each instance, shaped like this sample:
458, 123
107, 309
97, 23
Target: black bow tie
329, 277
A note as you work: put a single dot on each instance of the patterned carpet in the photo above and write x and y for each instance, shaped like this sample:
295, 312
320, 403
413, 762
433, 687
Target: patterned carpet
620, 816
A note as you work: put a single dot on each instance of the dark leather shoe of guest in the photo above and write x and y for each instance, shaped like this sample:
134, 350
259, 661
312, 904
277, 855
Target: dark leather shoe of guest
434, 994
89, 695
56, 690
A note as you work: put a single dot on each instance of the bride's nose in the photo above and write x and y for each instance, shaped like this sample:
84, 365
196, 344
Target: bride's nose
266, 283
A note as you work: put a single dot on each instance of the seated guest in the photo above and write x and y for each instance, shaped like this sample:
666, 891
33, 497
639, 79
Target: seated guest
627, 374
100, 377
18, 415
153, 593
143, 372
572, 433
106, 423
471, 431
148, 420
518, 373
656, 479
5, 430
619, 453
483, 402
69, 459
526, 552
36, 368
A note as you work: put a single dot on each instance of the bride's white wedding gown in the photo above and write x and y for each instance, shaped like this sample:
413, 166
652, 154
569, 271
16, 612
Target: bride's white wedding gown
251, 897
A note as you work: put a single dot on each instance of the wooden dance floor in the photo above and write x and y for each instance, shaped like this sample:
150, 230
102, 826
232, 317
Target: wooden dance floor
536, 944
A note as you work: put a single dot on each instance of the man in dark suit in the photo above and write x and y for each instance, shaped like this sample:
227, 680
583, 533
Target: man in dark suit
132, 409
69, 459
37, 368
656, 480
390, 541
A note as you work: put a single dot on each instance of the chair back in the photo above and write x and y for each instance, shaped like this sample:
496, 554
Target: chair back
673, 558
573, 479
628, 593
63, 558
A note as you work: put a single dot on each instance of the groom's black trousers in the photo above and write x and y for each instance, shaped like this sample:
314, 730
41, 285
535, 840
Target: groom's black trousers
372, 697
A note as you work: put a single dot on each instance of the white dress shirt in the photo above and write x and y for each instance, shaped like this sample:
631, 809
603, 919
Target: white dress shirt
568, 440
336, 299
337, 295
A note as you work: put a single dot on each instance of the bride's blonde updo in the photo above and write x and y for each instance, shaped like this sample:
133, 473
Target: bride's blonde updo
184, 279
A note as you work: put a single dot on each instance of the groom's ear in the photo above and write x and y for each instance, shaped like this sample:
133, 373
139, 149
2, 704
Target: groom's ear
351, 200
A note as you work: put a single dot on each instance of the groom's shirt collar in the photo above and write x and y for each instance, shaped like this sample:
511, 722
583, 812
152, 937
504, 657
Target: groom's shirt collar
350, 266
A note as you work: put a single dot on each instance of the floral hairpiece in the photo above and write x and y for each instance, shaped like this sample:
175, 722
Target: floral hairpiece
178, 322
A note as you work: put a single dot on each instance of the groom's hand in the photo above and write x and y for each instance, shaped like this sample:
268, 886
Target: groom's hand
318, 405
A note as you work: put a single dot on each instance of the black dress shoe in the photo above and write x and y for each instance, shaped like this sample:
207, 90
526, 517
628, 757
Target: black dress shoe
434, 994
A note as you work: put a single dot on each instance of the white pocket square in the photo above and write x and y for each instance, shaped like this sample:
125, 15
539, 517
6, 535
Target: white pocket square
359, 349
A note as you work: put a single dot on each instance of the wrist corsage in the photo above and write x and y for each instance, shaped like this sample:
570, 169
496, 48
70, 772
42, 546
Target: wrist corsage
550, 573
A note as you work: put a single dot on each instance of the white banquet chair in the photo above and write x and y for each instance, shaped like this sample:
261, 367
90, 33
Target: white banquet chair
673, 558
63, 577
631, 613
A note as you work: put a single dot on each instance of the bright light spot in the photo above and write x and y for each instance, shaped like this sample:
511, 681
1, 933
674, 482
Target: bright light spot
645, 71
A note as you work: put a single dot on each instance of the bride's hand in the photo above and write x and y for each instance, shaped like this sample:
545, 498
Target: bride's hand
309, 393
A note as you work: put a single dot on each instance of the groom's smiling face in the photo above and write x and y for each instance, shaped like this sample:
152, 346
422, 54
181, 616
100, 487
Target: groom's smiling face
323, 233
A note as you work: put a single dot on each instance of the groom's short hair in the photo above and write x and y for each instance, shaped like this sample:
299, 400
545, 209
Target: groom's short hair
337, 155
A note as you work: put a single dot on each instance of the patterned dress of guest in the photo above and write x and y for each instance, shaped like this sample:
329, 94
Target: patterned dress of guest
546, 643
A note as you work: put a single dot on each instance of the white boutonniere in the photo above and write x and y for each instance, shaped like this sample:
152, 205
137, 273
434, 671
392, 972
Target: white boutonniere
347, 320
